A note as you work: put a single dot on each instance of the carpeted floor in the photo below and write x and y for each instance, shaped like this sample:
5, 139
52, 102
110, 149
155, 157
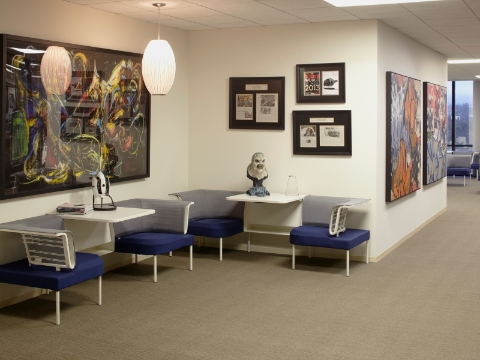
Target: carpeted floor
420, 302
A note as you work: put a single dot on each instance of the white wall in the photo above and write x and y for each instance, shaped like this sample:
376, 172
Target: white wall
401, 54
218, 157
66, 22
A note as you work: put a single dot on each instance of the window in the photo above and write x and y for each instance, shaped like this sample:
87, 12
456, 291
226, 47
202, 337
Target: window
460, 116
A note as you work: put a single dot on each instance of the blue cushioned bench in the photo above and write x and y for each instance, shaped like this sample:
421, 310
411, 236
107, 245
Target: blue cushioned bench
51, 262
212, 215
158, 233
459, 165
324, 225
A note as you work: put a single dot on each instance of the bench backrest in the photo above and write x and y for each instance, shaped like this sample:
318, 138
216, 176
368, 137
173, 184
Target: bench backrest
170, 217
212, 204
458, 161
46, 241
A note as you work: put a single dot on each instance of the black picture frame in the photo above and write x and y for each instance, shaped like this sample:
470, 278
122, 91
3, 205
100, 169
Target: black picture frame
246, 96
321, 83
52, 143
322, 132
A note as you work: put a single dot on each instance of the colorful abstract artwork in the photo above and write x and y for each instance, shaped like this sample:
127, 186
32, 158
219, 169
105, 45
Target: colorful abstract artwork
52, 142
435, 121
403, 174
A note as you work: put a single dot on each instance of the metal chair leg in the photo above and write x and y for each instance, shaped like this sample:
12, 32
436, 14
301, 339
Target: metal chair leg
99, 290
221, 249
366, 256
191, 257
348, 262
155, 268
293, 257
57, 305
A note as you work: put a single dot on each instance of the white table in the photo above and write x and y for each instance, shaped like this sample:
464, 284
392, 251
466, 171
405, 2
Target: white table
96, 227
275, 214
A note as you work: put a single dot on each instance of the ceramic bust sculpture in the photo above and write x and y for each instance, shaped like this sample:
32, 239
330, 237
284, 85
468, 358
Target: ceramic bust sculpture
257, 172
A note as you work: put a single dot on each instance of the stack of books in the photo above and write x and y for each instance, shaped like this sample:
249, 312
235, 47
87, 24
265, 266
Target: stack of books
74, 209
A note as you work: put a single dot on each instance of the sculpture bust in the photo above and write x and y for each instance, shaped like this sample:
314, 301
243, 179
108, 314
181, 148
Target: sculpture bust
257, 172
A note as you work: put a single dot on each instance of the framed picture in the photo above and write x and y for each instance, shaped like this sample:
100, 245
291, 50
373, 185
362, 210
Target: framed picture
57, 142
322, 132
257, 103
321, 83
404, 127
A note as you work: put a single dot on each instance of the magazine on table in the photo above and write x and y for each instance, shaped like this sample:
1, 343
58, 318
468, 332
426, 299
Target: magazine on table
79, 209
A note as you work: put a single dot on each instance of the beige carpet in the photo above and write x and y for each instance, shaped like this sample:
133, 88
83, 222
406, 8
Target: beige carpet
420, 302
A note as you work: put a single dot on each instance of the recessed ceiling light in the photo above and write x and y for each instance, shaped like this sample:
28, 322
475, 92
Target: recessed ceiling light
477, 76
464, 61
345, 3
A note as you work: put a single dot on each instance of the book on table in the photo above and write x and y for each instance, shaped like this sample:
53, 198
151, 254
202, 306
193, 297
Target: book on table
77, 209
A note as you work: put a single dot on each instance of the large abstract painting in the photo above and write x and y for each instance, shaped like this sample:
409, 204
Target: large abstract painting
403, 175
52, 142
435, 123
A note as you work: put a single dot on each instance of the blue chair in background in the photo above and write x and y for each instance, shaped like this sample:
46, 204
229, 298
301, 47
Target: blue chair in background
158, 233
212, 215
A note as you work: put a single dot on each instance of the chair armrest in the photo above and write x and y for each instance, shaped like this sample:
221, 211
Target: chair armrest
47, 247
338, 219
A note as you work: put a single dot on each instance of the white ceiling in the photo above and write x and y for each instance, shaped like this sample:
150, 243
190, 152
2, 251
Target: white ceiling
451, 27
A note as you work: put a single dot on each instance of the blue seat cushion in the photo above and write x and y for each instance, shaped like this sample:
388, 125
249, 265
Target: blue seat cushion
88, 266
475, 166
458, 171
152, 243
215, 228
319, 236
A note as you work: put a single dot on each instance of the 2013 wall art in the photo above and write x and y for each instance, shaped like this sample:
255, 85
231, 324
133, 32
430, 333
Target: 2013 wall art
435, 123
403, 174
53, 141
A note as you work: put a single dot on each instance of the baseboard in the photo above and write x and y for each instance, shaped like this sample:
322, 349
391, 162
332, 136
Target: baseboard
406, 237
30, 295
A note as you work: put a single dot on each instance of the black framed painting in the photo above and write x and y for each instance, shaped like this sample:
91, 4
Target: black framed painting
53, 141
321, 83
403, 137
322, 132
257, 103
435, 125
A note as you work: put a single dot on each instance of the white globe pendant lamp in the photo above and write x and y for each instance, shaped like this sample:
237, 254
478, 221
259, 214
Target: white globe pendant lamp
158, 64
56, 70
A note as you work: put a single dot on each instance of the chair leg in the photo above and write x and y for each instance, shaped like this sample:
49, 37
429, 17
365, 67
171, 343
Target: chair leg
99, 290
170, 253
248, 244
366, 256
155, 268
221, 249
57, 305
309, 252
191, 257
293, 257
348, 262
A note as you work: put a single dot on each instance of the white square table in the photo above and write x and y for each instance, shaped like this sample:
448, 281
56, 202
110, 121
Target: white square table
96, 227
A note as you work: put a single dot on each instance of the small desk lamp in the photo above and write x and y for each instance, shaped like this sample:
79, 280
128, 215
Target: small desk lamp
101, 188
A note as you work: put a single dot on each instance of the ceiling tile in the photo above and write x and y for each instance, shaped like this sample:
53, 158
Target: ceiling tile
282, 21
318, 19
114, 7
444, 14
473, 50
237, 25
374, 9
400, 23
456, 73
244, 7
189, 12
214, 20
466, 41
207, 3
148, 4
147, 16
295, 5
459, 31
86, 2
435, 5
435, 23
319, 12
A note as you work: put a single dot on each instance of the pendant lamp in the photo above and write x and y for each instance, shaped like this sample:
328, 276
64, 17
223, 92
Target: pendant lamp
158, 64
56, 70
